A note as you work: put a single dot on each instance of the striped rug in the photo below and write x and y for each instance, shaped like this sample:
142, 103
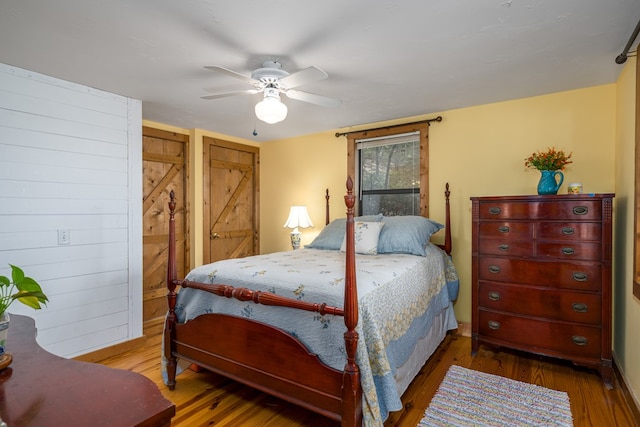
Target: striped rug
471, 398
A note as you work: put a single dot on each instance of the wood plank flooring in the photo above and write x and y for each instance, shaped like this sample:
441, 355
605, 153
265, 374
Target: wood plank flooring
206, 399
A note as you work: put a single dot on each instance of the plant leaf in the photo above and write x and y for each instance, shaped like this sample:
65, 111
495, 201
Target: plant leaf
31, 299
28, 284
16, 273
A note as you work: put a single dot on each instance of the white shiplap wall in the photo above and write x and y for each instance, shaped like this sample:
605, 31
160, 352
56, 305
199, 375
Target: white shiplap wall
71, 159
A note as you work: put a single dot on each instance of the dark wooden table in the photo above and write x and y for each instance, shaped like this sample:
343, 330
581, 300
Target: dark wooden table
40, 389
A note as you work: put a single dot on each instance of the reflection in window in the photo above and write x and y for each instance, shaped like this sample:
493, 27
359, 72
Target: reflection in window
390, 175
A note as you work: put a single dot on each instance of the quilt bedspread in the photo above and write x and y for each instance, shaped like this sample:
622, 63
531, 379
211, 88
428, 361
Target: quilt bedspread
399, 296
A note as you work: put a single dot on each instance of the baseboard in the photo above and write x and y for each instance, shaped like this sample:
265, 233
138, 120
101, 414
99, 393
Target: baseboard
114, 350
633, 404
464, 329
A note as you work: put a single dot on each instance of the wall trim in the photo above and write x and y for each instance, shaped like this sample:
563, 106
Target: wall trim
629, 398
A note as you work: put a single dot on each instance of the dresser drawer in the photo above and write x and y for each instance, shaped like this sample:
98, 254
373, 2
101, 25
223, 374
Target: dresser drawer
585, 276
541, 336
571, 210
571, 231
505, 229
521, 248
569, 251
504, 210
547, 303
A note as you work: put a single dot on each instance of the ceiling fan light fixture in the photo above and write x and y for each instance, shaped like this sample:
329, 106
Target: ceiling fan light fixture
271, 110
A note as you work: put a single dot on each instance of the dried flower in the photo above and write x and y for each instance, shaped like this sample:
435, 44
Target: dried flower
550, 160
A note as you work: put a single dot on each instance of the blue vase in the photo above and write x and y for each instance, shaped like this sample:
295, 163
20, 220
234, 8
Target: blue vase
548, 183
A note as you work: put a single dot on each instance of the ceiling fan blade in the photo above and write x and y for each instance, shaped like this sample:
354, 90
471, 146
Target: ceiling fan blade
313, 98
227, 94
231, 73
308, 75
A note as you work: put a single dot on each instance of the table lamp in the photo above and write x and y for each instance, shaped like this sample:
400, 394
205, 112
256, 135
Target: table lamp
298, 217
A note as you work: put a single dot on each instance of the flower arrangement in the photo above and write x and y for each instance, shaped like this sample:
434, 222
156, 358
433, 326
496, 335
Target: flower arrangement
550, 160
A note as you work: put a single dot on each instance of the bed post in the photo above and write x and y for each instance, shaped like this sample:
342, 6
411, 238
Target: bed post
171, 296
326, 208
351, 388
447, 224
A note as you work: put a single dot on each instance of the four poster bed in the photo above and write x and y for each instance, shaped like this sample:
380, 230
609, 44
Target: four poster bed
281, 327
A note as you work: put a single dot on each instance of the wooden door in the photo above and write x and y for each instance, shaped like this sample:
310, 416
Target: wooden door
164, 165
230, 200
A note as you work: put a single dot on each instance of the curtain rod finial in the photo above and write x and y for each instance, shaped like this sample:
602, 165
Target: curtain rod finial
621, 59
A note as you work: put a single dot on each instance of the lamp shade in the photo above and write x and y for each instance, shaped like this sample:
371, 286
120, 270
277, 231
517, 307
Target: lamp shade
271, 110
298, 217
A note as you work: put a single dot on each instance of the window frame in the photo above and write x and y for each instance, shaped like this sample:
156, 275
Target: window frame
352, 156
636, 222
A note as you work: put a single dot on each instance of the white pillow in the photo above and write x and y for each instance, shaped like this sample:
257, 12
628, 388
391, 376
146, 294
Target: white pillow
366, 237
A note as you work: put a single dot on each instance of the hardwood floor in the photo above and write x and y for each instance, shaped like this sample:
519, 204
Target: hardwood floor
206, 399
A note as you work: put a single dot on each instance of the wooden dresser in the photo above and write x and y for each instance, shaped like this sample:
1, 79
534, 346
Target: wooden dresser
541, 272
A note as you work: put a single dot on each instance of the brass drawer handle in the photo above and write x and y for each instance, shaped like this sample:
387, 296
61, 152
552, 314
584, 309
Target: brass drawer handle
580, 210
579, 307
494, 325
568, 251
494, 269
579, 340
580, 277
494, 211
503, 229
567, 231
503, 247
494, 296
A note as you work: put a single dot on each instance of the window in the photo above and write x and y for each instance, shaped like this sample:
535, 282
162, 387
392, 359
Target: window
389, 167
389, 172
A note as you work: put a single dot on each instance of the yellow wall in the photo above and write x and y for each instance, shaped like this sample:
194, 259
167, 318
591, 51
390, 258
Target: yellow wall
479, 150
626, 306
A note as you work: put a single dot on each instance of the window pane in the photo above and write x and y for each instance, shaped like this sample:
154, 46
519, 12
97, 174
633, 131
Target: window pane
390, 166
391, 204
386, 169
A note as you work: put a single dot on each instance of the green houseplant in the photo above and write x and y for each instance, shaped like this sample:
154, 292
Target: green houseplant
17, 288
20, 288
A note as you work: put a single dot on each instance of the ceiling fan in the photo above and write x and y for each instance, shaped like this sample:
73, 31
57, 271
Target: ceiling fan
272, 81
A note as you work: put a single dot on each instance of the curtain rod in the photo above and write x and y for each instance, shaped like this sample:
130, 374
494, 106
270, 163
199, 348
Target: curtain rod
622, 58
428, 122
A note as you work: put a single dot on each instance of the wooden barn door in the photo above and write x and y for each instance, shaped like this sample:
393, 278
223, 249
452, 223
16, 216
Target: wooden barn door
230, 200
164, 164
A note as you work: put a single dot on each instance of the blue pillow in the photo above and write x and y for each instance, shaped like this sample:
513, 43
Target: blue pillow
331, 237
406, 234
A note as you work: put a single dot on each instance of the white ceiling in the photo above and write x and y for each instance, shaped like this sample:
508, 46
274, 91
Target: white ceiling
385, 59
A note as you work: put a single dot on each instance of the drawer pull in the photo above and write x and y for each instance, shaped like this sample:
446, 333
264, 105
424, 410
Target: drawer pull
579, 307
580, 210
568, 251
567, 230
494, 325
494, 211
503, 229
494, 269
503, 247
580, 277
579, 340
494, 296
